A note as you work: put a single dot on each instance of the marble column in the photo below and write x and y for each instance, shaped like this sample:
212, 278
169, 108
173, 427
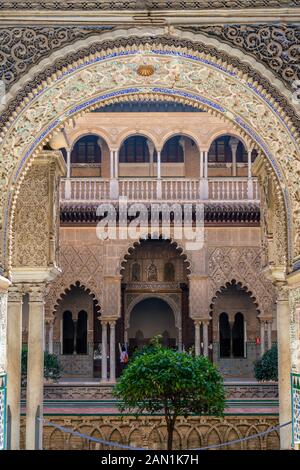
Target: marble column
158, 164
201, 164
50, 337
234, 145
116, 164
14, 347
284, 364
4, 284
197, 337
68, 179
35, 368
112, 157
205, 324
112, 351
104, 351
262, 337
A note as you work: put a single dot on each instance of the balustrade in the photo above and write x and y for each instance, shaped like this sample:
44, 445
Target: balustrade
173, 189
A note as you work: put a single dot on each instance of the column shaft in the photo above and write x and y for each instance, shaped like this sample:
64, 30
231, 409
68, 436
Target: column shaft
116, 164
201, 163
205, 164
14, 346
35, 371
158, 165
112, 352
262, 338
197, 338
249, 163
50, 338
284, 369
104, 352
205, 338
234, 150
112, 157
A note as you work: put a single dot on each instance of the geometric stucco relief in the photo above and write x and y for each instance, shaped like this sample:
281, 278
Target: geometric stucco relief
244, 265
78, 264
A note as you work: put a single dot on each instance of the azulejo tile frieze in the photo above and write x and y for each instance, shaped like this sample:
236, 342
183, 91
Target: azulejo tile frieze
276, 46
144, 4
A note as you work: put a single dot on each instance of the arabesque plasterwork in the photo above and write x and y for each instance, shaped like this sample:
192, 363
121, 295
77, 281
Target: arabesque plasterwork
226, 92
295, 329
83, 264
244, 266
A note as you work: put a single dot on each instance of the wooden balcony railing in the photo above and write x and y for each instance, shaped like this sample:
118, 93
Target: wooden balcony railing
93, 190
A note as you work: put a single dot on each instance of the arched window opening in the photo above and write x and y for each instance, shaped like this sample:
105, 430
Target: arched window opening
238, 340
136, 272
172, 151
81, 334
225, 335
68, 333
221, 151
169, 272
135, 149
87, 150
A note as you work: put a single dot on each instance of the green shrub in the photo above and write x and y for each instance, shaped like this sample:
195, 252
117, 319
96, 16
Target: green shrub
52, 366
266, 368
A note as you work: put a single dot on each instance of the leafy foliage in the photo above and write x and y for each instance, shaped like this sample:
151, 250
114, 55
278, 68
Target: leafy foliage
266, 368
52, 366
176, 383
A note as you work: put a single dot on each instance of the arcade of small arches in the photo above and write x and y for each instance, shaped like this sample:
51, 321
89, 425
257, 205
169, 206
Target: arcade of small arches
92, 151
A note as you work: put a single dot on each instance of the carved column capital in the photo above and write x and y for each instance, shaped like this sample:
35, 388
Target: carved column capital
282, 292
15, 293
37, 293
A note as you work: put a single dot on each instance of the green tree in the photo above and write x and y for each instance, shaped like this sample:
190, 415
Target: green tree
266, 368
175, 383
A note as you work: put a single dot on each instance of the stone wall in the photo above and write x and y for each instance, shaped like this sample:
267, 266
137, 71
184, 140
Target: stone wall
150, 432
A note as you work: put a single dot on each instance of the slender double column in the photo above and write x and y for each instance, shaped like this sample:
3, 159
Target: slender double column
112, 351
104, 351
14, 346
35, 368
205, 324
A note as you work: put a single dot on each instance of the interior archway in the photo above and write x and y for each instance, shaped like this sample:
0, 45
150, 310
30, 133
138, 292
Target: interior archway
151, 317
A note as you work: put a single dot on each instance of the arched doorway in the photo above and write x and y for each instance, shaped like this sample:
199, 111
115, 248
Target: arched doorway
150, 317
234, 333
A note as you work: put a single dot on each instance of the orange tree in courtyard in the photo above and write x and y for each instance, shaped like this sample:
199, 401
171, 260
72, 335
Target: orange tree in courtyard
161, 380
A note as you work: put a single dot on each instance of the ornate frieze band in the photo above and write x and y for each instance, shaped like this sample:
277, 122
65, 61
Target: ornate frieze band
276, 46
144, 4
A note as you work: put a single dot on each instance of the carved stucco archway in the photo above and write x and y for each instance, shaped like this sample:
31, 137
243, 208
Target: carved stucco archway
127, 252
179, 74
